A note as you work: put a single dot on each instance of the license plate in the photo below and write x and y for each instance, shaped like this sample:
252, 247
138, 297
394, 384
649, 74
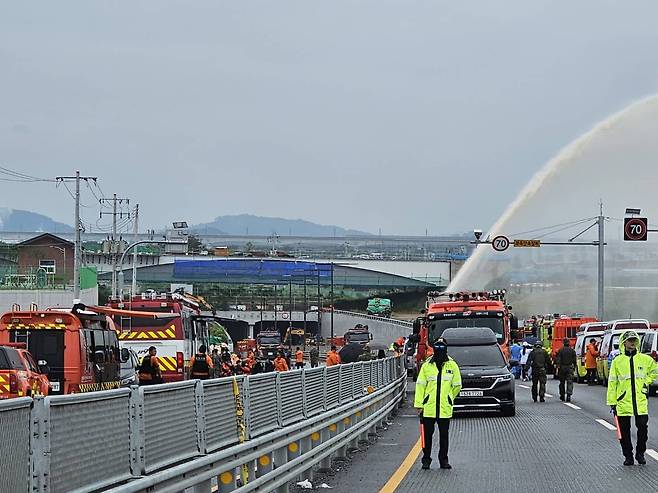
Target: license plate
471, 393
54, 386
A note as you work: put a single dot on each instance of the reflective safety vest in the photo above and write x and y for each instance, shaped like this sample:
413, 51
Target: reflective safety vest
426, 388
200, 366
628, 383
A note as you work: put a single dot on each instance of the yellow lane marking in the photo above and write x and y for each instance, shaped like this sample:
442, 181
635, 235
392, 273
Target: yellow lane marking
402, 471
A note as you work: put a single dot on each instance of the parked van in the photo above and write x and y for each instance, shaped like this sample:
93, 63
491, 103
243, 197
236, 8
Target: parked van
586, 332
649, 345
610, 343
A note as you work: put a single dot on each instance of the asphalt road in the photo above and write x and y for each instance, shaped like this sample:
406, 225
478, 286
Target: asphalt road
545, 447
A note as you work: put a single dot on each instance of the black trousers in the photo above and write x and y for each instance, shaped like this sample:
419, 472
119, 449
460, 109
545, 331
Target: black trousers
428, 433
642, 425
538, 377
591, 375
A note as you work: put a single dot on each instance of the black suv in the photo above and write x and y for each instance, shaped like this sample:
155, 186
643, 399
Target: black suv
487, 382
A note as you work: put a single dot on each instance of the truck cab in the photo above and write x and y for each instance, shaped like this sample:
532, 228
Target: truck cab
359, 334
268, 343
20, 375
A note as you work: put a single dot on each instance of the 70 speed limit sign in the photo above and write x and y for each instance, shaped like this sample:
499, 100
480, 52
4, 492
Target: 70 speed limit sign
500, 243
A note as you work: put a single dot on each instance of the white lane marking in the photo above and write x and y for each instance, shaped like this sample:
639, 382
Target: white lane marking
572, 406
606, 424
652, 453
524, 386
548, 395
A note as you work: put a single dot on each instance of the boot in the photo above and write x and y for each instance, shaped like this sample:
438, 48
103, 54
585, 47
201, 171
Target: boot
640, 459
541, 399
569, 398
561, 397
629, 461
426, 464
445, 464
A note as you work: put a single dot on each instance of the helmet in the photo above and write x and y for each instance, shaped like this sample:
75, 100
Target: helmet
629, 334
538, 344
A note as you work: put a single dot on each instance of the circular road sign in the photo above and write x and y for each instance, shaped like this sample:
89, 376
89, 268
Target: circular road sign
635, 229
500, 243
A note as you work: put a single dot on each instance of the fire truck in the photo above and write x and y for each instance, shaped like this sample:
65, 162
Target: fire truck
359, 334
176, 338
268, 343
562, 328
448, 310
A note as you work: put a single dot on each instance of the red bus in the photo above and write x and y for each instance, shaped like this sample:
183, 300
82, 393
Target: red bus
176, 338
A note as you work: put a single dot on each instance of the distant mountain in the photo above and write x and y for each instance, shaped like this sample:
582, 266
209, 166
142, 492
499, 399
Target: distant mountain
257, 225
17, 220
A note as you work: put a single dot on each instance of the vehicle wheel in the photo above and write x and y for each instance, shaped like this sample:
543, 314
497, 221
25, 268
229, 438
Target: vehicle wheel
508, 411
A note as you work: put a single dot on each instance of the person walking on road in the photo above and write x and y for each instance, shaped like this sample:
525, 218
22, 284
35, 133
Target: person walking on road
565, 360
538, 362
515, 355
299, 359
333, 358
201, 364
149, 370
591, 353
523, 362
631, 373
314, 355
437, 386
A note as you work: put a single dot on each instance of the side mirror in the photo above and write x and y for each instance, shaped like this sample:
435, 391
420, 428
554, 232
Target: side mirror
125, 355
99, 357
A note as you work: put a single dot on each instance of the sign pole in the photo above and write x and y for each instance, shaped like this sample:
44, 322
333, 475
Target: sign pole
601, 266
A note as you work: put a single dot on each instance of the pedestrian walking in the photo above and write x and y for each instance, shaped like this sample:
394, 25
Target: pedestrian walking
314, 355
523, 362
631, 373
565, 360
201, 364
515, 355
538, 362
591, 353
299, 359
149, 370
437, 386
333, 358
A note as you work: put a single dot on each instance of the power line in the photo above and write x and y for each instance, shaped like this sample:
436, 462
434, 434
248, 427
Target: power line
21, 177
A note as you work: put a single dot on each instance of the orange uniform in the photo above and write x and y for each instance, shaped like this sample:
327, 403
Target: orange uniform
333, 358
590, 356
299, 356
280, 364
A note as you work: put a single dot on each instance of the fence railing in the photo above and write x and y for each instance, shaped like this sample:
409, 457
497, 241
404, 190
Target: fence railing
133, 439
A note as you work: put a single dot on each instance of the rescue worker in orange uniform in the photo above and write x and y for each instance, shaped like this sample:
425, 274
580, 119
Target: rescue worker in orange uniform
149, 369
591, 354
333, 358
299, 359
201, 364
280, 363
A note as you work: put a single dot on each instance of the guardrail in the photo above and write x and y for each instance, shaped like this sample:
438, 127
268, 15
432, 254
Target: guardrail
173, 436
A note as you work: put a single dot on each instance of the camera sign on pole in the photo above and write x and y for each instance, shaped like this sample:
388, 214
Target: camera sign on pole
500, 243
635, 229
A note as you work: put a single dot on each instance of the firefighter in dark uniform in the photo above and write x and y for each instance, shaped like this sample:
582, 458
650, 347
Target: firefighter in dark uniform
538, 361
565, 360
201, 364
149, 369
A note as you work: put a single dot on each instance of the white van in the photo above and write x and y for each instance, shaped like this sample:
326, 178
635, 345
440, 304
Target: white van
649, 345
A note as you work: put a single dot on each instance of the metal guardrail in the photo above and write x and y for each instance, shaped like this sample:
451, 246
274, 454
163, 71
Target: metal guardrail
162, 437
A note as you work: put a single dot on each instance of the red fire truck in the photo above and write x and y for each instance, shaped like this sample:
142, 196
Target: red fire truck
176, 339
448, 310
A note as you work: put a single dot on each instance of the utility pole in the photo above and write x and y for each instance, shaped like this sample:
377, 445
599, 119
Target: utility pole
114, 245
133, 291
77, 249
601, 300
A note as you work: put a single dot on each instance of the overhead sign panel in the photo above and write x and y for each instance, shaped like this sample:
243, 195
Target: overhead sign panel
527, 243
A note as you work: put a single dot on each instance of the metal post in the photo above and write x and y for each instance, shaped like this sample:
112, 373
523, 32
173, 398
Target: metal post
317, 339
76, 257
305, 304
332, 300
601, 309
113, 248
290, 312
275, 302
133, 290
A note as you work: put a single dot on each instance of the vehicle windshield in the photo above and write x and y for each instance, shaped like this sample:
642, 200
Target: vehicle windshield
10, 360
140, 323
494, 323
631, 325
477, 355
269, 340
359, 337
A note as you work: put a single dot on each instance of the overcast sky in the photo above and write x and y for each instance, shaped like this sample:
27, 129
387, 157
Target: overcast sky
400, 115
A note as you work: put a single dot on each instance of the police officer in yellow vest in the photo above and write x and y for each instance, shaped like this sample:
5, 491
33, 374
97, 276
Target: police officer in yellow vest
438, 383
631, 373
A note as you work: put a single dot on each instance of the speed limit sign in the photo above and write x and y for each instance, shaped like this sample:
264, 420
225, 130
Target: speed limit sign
635, 229
500, 243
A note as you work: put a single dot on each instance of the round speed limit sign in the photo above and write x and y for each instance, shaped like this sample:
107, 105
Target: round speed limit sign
500, 243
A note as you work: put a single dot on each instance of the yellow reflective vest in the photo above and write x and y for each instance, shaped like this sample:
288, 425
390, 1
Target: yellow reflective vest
426, 388
628, 383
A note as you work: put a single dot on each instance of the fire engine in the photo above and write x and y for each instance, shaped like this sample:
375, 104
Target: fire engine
176, 338
448, 310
